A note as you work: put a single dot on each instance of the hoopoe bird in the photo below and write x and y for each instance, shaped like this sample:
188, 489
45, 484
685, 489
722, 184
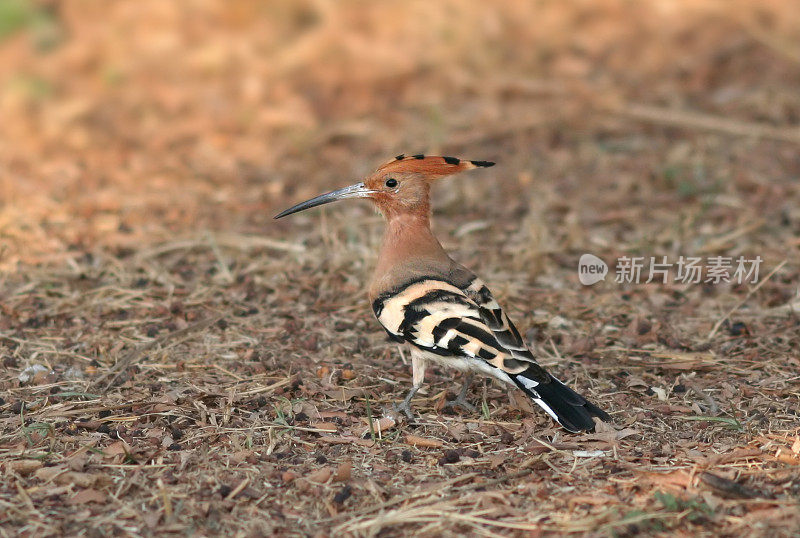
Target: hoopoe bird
439, 308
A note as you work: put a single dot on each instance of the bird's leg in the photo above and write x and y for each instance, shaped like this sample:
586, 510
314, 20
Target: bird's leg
418, 365
461, 399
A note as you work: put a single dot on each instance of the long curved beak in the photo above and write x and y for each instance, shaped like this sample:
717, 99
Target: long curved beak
353, 191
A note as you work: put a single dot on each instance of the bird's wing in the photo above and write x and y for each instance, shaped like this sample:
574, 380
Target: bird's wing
438, 316
498, 321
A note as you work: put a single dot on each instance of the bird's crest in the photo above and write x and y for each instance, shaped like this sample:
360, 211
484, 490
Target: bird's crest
431, 166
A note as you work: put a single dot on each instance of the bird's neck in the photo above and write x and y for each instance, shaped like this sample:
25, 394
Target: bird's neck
407, 240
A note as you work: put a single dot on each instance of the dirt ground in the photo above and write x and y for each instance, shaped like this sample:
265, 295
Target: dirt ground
172, 360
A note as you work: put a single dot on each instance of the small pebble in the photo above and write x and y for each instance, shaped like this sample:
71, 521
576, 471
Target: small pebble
450, 456
343, 495
288, 476
738, 329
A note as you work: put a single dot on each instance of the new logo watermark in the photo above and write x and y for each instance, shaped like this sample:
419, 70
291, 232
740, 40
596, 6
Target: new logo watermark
591, 269
684, 270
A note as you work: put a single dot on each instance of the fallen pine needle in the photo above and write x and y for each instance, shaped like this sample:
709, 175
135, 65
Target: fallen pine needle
725, 420
415, 440
238, 489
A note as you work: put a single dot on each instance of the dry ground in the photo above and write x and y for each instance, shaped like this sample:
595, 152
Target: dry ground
205, 370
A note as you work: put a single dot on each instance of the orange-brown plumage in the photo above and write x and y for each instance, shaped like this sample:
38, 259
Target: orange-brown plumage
429, 166
414, 175
409, 246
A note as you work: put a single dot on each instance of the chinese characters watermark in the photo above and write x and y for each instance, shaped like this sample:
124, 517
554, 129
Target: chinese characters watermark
684, 270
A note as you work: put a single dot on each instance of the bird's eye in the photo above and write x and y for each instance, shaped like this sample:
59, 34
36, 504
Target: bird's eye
391, 183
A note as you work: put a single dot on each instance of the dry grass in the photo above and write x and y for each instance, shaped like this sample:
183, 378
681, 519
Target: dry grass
207, 370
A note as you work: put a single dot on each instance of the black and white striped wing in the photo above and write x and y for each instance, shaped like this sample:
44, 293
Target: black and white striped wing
439, 317
500, 324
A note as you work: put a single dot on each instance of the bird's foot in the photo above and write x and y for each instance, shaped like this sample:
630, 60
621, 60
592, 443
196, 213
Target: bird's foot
461, 401
405, 406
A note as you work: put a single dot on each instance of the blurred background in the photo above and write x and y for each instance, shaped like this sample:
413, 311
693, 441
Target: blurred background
129, 123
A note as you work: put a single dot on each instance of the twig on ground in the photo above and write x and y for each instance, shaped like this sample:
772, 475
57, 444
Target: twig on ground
728, 488
713, 408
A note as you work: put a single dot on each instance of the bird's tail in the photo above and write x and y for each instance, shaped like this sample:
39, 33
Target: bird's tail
567, 407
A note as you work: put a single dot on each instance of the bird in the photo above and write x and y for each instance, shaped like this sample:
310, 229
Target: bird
438, 308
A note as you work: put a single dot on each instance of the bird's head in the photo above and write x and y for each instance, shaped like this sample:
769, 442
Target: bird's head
399, 186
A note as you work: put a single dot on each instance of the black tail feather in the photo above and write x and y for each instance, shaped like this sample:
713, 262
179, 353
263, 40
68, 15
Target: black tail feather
567, 407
